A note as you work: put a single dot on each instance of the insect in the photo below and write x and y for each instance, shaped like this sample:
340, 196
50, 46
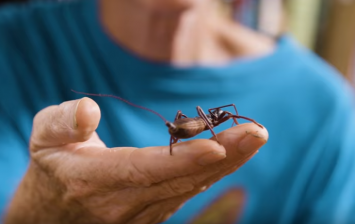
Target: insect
184, 127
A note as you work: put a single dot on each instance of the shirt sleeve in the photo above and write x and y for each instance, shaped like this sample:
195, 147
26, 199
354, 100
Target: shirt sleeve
333, 186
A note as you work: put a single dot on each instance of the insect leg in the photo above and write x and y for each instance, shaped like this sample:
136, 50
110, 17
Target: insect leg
249, 119
179, 115
229, 105
226, 118
174, 140
235, 121
204, 117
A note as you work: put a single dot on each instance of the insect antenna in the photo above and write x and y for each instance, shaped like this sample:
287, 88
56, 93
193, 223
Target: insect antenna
126, 101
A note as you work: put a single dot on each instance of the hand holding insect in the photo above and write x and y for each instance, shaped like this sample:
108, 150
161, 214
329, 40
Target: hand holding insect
74, 178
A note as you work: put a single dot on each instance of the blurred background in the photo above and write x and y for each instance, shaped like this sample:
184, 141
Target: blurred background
327, 27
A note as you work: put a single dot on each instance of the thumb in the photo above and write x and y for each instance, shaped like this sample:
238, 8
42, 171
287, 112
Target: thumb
70, 122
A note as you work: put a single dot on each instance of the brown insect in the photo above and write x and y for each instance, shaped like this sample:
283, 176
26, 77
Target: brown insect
184, 127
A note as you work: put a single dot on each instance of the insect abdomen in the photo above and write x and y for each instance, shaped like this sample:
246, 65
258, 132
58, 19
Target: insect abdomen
188, 127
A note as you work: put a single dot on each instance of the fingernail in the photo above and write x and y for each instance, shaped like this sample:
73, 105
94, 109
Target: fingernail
251, 142
210, 158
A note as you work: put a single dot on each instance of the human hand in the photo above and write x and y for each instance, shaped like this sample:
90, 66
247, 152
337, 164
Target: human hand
74, 178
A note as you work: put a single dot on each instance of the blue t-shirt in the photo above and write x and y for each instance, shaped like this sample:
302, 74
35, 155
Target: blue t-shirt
304, 174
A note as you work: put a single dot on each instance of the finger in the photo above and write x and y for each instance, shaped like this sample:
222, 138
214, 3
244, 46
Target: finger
128, 166
70, 122
189, 157
156, 164
238, 153
147, 166
241, 143
187, 185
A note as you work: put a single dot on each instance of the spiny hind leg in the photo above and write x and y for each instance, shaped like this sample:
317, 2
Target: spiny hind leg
174, 140
249, 119
204, 117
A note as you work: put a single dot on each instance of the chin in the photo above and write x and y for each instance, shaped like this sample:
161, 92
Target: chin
171, 5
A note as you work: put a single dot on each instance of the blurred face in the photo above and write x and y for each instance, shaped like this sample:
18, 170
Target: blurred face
171, 5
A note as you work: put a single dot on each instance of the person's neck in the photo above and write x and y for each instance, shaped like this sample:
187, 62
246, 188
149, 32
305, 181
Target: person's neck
192, 36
